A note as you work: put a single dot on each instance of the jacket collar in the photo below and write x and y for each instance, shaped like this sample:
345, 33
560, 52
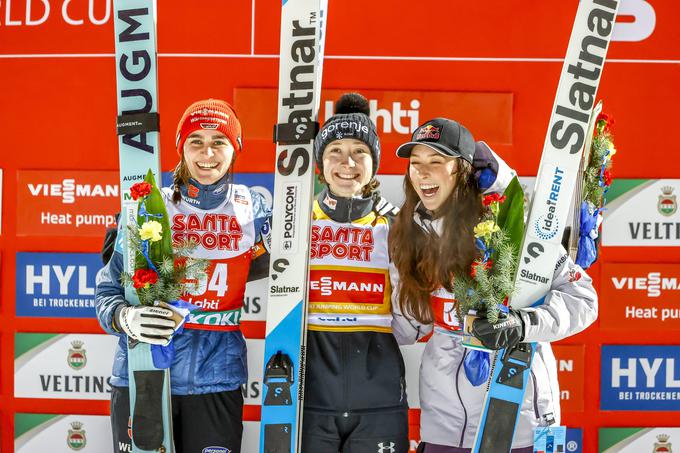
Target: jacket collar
426, 221
341, 209
205, 196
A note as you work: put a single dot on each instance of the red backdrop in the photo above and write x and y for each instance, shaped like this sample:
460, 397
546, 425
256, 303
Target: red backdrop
57, 112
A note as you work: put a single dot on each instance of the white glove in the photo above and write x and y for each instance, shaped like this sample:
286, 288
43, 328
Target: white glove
154, 325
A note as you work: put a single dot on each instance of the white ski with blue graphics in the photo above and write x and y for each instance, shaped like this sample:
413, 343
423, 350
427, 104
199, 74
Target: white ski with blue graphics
138, 143
300, 68
557, 176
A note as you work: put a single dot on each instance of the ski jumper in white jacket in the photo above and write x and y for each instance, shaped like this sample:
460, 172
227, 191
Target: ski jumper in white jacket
450, 405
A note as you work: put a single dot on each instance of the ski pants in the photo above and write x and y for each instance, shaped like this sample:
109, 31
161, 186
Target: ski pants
199, 421
380, 431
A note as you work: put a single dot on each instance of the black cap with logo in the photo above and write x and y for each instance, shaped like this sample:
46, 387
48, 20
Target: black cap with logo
445, 136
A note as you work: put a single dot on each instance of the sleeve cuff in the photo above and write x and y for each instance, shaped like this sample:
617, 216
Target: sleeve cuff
116, 316
530, 323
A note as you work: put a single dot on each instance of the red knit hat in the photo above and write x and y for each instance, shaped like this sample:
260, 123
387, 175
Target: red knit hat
209, 114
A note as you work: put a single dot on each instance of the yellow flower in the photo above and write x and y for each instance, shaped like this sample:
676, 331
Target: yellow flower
151, 230
611, 150
486, 228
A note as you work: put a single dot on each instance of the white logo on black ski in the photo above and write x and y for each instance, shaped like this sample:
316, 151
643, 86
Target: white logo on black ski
300, 129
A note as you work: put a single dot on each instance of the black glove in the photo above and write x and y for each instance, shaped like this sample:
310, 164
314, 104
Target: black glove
506, 333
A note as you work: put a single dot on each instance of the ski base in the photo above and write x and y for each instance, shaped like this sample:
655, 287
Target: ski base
504, 399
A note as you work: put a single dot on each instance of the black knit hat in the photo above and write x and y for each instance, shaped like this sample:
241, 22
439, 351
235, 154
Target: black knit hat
351, 120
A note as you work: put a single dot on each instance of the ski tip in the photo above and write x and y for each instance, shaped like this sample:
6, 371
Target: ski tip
352, 103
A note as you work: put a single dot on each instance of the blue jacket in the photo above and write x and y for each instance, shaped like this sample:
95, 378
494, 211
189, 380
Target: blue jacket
205, 361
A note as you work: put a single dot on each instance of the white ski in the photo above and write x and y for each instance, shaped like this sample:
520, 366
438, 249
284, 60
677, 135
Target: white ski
300, 69
557, 176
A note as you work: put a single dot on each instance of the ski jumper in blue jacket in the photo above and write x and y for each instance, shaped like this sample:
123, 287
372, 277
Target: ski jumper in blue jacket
230, 223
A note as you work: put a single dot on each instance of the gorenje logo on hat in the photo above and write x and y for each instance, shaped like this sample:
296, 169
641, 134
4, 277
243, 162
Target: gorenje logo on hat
428, 132
342, 129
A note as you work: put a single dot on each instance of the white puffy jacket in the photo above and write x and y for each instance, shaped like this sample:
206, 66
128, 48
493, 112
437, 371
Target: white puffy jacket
451, 406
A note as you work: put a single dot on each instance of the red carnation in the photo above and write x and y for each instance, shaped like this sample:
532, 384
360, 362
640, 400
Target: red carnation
141, 189
607, 177
608, 121
144, 277
476, 264
493, 198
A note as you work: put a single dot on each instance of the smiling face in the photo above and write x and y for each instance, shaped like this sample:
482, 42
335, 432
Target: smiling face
208, 155
347, 166
432, 176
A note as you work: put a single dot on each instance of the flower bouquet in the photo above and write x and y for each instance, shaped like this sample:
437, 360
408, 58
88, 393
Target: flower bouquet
160, 272
486, 289
597, 178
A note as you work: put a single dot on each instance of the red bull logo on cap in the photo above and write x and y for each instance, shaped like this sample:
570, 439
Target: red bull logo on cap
428, 132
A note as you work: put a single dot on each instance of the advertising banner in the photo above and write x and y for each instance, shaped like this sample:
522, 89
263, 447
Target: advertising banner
642, 212
396, 113
574, 440
392, 187
62, 433
253, 390
63, 366
640, 378
570, 374
255, 301
1, 203
58, 285
640, 296
66, 203
636, 440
